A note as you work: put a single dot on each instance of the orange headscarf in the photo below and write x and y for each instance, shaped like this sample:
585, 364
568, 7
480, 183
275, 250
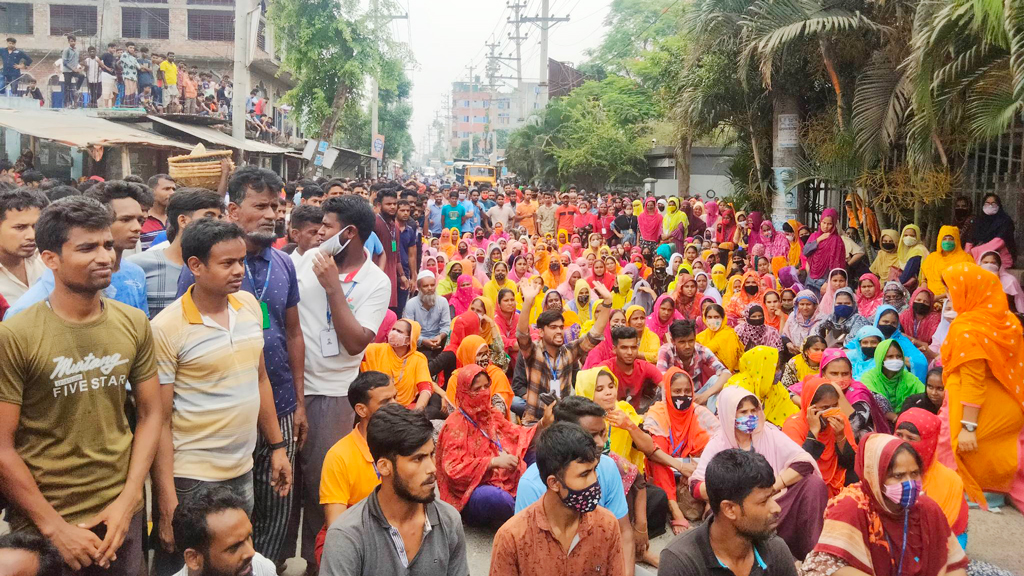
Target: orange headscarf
796, 428
740, 300
686, 436
465, 356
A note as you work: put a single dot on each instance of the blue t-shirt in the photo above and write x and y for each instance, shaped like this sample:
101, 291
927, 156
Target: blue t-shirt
453, 215
435, 219
613, 494
473, 212
127, 286
373, 244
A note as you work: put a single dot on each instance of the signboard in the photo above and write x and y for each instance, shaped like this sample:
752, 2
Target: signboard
322, 146
789, 131
784, 206
377, 149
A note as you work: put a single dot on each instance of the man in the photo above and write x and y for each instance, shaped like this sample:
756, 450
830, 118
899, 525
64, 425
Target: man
304, 230
20, 266
162, 186
399, 528
24, 554
409, 242
562, 532
92, 76
434, 219
486, 195
214, 535
473, 211
739, 539
696, 359
454, 213
215, 389
501, 213
130, 74
525, 212
359, 189
546, 221
69, 67
345, 297
69, 463
312, 194
163, 267
145, 72
433, 316
14, 62
638, 379
128, 282
348, 475
386, 228
170, 71
269, 275
566, 213
550, 360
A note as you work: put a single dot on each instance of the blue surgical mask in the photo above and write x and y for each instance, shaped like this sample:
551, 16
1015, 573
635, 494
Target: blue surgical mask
747, 424
843, 310
904, 494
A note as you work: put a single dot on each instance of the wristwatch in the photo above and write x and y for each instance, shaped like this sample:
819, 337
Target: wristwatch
969, 426
278, 445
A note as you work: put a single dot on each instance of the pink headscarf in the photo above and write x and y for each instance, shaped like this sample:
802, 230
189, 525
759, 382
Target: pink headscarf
654, 323
831, 252
711, 214
866, 307
463, 295
852, 389
650, 222
385, 326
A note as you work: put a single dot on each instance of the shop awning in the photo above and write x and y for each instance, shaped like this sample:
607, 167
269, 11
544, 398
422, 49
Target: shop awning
81, 131
213, 136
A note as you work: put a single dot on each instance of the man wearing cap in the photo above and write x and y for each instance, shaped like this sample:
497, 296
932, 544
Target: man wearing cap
431, 313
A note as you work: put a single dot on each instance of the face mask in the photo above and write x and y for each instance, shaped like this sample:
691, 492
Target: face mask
815, 356
887, 330
463, 251
554, 266
480, 259
752, 290
396, 339
499, 277
921, 308
462, 196
961, 212
756, 321
682, 402
904, 494
791, 237
788, 307
949, 314
909, 241
714, 324
948, 245
659, 268
747, 424
888, 246
990, 209
993, 268
843, 310
584, 500
893, 365
868, 351
333, 245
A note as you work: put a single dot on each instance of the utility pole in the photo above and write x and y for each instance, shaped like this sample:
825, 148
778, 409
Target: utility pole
240, 88
374, 88
519, 39
545, 21
446, 105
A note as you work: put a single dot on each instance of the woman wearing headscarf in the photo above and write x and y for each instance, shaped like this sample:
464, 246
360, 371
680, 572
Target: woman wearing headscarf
445, 244
663, 315
861, 406
803, 494
430, 265
581, 302
883, 525
600, 273
752, 331
993, 262
888, 322
500, 280
750, 293
650, 225
774, 316
993, 223
791, 228
505, 319
835, 327
869, 295
895, 296
821, 428
695, 222
887, 261
680, 429
474, 267
725, 228
604, 350
919, 321
701, 278
890, 377
660, 278
712, 215
687, 297
483, 307
480, 454
575, 246
911, 253
824, 249
493, 256
836, 279
448, 283
921, 429
757, 374
804, 364
982, 367
445, 362
776, 245
568, 288
622, 294
719, 278
860, 349
802, 322
720, 338
948, 252
476, 349
462, 297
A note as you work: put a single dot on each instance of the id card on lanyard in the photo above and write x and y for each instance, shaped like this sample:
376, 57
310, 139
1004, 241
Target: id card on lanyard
259, 295
329, 345
555, 385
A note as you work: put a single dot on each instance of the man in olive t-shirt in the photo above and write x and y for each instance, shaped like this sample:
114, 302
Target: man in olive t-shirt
69, 463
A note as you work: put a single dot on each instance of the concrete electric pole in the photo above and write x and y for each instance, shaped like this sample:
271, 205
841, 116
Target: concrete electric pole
545, 21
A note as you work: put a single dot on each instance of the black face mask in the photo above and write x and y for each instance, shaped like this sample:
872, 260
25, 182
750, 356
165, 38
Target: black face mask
554, 266
887, 330
659, 268
682, 402
920, 308
756, 321
752, 290
961, 213
868, 351
888, 246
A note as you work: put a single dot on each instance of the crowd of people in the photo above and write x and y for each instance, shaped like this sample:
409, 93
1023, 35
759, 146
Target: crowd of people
578, 372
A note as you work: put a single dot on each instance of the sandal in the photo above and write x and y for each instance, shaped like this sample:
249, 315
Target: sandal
683, 525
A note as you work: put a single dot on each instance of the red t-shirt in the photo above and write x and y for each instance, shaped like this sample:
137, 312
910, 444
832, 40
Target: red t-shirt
631, 385
564, 216
584, 219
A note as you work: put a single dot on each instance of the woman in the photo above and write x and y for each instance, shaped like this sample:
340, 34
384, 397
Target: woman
500, 281
861, 407
750, 293
483, 307
463, 295
757, 374
993, 262
674, 220
920, 429
919, 321
725, 228
506, 319
447, 284
519, 269
480, 454
860, 349
804, 364
803, 494
776, 245
580, 303
981, 360
475, 350
648, 341
660, 278
663, 315
686, 297
911, 254
712, 216
802, 322
993, 223
837, 326
821, 428
773, 313
705, 288
575, 246
792, 228
650, 225
720, 338
623, 292
837, 278
891, 379
869, 295
568, 288
824, 249
493, 257
445, 245
600, 273
886, 263
882, 525
753, 331
680, 429
888, 323
895, 296
948, 252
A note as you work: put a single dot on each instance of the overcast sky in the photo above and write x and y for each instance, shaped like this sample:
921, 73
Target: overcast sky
446, 36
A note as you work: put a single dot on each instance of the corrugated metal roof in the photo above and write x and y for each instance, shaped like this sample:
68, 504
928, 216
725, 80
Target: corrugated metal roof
81, 131
214, 136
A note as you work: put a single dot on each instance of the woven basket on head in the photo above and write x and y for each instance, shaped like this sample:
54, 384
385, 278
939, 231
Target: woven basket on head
199, 169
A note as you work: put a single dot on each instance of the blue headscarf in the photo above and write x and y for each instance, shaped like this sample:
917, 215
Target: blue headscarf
856, 357
918, 363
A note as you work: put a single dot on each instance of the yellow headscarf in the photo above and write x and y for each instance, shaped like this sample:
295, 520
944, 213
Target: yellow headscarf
586, 312
757, 375
886, 260
619, 439
625, 292
541, 257
936, 263
648, 342
673, 216
638, 207
719, 278
492, 288
795, 249
905, 254
724, 344
735, 284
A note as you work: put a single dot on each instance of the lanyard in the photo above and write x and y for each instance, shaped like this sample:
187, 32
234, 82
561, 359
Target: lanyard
259, 295
344, 280
676, 448
477, 426
393, 232
903, 552
547, 360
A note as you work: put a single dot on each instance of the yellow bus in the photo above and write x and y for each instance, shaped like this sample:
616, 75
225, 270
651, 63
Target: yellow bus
477, 174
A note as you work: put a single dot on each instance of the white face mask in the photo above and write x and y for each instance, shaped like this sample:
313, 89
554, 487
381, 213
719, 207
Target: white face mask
893, 364
333, 246
990, 209
909, 241
743, 223
397, 339
993, 268
790, 237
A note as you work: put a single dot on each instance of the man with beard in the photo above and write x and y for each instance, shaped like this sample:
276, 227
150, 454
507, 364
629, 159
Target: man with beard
269, 275
399, 528
740, 537
213, 532
386, 228
435, 320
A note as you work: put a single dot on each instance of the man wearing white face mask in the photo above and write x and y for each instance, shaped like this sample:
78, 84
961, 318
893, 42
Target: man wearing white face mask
344, 299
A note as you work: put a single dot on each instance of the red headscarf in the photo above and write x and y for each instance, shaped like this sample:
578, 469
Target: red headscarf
471, 436
689, 310
927, 325
726, 228
940, 483
831, 252
796, 427
464, 325
681, 426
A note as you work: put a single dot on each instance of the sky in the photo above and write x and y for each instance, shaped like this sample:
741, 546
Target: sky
446, 36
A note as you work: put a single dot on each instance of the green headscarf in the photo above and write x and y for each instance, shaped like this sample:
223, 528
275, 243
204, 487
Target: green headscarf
897, 389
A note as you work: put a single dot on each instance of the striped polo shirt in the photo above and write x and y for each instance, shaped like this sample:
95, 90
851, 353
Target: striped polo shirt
215, 373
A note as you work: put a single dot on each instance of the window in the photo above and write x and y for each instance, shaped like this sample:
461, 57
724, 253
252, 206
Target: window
145, 23
211, 25
80, 20
261, 36
465, 118
17, 18
480, 119
465, 103
486, 103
